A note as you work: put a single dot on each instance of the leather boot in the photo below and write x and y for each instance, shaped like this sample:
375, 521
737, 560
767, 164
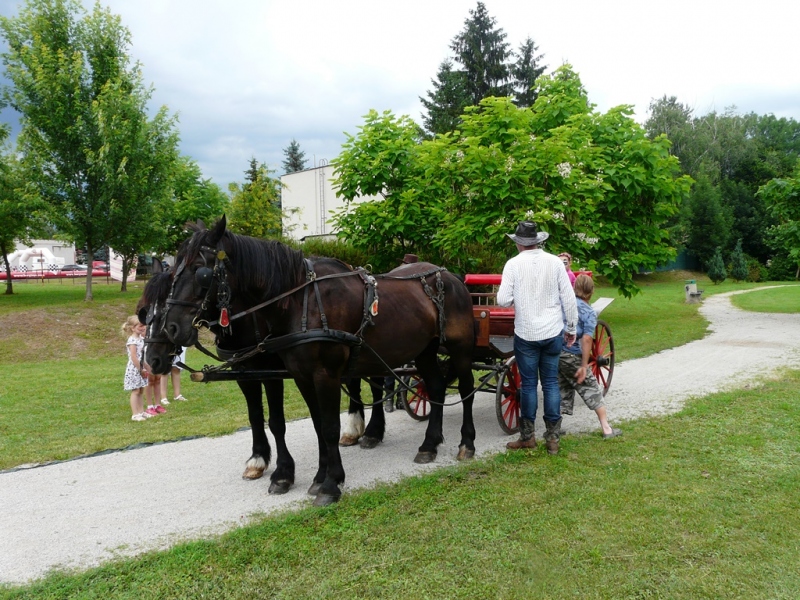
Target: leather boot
552, 436
526, 440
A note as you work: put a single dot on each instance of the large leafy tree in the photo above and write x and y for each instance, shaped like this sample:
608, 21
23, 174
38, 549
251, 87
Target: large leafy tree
782, 196
85, 141
294, 158
18, 210
255, 205
594, 181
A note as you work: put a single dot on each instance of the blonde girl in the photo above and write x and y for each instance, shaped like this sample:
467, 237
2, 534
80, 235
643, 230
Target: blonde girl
135, 374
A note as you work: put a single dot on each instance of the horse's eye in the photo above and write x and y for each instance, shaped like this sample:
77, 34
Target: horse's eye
203, 277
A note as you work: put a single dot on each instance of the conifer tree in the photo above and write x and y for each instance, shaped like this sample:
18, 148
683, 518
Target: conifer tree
295, 158
525, 72
739, 270
715, 268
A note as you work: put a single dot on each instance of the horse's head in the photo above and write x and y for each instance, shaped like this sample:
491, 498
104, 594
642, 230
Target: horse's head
199, 284
158, 349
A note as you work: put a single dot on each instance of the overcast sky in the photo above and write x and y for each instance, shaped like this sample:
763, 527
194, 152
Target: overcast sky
247, 76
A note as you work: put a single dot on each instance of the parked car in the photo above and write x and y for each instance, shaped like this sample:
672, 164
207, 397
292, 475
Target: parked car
73, 271
73, 268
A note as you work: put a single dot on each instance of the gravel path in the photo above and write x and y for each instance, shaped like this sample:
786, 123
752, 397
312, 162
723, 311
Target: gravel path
79, 513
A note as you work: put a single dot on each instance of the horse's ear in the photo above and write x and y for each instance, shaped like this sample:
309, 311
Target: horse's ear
218, 231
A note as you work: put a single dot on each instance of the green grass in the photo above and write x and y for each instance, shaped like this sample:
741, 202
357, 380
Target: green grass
779, 300
700, 504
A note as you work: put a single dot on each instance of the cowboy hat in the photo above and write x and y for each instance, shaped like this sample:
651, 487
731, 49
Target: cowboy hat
527, 234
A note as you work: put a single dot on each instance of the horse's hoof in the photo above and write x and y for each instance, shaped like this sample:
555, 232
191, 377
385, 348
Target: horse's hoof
280, 486
423, 458
325, 500
465, 453
252, 473
314, 489
348, 440
369, 442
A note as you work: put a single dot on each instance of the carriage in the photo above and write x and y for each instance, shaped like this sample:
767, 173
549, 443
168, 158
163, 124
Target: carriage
494, 355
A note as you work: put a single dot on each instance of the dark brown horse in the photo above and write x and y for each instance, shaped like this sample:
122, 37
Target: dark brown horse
328, 322
243, 337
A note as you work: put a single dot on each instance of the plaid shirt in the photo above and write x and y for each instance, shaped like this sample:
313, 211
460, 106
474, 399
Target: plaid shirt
536, 283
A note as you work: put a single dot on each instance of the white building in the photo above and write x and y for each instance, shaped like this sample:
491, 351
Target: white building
309, 200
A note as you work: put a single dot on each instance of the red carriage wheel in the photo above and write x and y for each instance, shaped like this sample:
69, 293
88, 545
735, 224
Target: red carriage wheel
601, 360
415, 400
507, 402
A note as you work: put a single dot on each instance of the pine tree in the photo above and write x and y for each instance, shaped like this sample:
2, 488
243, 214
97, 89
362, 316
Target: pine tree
525, 72
715, 268
739, 269
482, 50
295, 158
447, 100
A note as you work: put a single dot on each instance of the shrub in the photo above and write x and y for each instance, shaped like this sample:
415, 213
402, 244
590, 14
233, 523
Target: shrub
715, 268
336, 249
739, 270
755, 270
781, 268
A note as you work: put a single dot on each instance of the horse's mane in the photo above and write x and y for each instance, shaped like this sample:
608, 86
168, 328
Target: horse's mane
268, 266
156, 290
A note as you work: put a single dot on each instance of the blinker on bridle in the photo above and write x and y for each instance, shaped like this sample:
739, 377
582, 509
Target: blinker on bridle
204, 278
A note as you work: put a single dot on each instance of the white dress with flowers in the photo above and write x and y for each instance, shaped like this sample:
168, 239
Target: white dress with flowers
133, 378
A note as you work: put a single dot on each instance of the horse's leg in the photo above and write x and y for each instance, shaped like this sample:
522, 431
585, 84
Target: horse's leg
376, 428
355, 414
309, 395
461, 362
259, 460
282, 477
428, 369
328, 396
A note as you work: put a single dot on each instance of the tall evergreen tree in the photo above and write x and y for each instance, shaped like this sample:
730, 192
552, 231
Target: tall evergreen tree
295, 158
715, 267
482, 51
739, 270
709, 224
447, 101
525, 72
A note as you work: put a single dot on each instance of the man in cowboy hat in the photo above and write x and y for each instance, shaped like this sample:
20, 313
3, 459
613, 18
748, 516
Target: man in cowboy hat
536, 284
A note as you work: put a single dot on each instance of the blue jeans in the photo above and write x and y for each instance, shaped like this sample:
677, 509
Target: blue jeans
535, 360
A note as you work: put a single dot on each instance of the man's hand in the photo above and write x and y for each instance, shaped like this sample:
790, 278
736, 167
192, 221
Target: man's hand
569, 339
580, 374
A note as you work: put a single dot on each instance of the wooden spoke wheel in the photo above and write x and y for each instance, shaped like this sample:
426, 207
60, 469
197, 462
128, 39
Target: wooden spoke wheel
507, 403
601, 360
416, 401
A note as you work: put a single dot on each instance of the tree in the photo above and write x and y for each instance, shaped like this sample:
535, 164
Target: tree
18, 210
595, 182
709, 225
715, 267
739, 268
295, 158
192, 198
782, 196
482, 54
525, 71
447, 101
77, 92
482, 50
254, 208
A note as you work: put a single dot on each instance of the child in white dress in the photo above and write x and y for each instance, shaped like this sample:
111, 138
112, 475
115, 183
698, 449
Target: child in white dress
135, 374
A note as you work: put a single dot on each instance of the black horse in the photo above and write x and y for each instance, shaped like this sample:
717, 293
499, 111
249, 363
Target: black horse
328, 322
159, 352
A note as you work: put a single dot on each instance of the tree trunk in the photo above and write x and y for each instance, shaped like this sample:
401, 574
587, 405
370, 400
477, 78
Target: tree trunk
89, 259
9, 284
125, 268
